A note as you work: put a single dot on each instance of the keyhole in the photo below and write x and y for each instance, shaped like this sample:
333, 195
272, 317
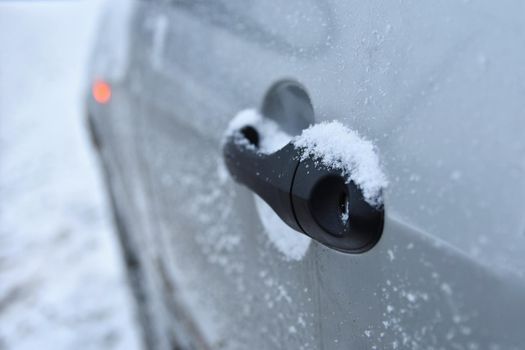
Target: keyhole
344, 212
251, 135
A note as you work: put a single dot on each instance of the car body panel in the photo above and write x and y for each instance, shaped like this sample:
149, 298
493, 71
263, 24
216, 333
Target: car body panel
437, 87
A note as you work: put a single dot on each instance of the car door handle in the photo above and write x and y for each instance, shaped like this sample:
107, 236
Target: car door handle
309, 197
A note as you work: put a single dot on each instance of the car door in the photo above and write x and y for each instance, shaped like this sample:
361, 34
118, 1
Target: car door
437, 87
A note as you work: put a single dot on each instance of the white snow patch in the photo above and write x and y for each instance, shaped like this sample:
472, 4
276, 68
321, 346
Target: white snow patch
337, 146
411, 297
391, 255
445, 287
62, 280
271, 137
300, 321
456, 175
292, 244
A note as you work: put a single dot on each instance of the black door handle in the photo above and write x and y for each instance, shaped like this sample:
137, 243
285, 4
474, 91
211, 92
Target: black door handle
308, 196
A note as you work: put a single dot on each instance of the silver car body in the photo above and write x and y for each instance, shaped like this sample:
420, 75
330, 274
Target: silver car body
439, 87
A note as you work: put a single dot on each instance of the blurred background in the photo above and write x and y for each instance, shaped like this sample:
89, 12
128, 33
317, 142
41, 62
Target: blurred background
438, 86
62, 281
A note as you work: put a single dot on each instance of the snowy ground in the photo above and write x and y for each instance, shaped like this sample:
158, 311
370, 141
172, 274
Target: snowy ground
62, 283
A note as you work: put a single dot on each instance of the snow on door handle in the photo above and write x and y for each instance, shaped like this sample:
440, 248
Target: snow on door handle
334, 197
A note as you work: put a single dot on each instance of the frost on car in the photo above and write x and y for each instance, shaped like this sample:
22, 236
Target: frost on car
418, 106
